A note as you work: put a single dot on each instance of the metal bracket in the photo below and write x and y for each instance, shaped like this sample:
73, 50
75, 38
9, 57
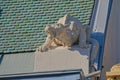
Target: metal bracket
90, 75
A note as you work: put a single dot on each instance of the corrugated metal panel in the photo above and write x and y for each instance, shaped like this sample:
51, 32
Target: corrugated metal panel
17, 63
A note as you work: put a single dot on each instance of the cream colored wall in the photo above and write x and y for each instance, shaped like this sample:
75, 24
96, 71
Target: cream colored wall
112, 43
101, 16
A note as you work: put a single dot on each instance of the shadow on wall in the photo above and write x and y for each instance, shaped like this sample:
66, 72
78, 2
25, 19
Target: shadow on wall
1, 56
96, 35
100, 38
77, 48
0, 12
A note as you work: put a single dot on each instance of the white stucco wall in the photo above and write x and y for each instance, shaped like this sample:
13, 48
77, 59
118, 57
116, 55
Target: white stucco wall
101, 16
112, 42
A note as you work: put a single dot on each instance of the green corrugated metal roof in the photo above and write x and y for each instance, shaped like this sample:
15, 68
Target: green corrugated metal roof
22, 22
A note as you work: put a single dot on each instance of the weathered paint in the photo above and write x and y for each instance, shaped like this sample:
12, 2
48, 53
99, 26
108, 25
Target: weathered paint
99, 27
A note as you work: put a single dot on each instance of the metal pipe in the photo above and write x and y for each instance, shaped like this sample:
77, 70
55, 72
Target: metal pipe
93, 74
45, 73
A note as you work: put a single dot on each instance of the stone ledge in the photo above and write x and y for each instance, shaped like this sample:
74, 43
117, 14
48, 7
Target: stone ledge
62, 59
